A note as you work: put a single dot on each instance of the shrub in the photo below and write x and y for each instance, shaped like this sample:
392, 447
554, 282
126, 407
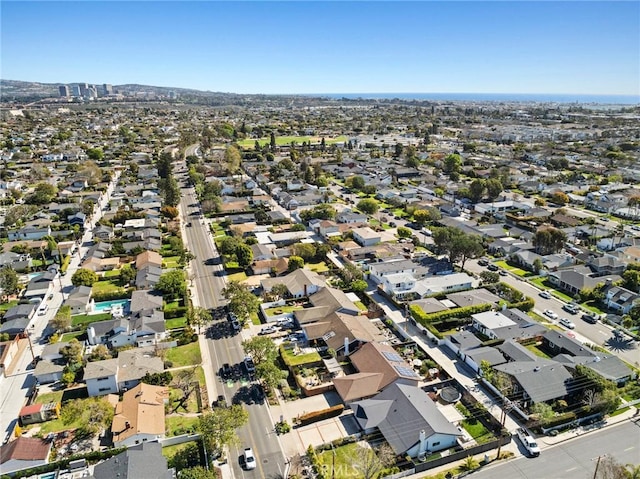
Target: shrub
316, 416
424, 318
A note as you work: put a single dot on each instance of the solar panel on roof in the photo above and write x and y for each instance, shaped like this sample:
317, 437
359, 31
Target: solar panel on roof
406, 371
391, 356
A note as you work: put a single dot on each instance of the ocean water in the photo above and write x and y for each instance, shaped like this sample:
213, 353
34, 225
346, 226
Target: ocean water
493, 97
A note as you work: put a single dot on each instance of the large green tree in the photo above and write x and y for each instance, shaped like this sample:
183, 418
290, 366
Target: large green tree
242, 302
244, 255
549, 240
368, 206
172, 284
84, 277
8, 281
218, 427
261, 349
90, 414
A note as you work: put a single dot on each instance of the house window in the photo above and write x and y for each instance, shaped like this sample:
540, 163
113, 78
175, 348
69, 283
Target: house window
435, 444
105, 378
104, 389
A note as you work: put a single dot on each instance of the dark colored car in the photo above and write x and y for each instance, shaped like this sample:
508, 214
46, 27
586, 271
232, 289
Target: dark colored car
492, 267
225, 371
220, 402
590, 318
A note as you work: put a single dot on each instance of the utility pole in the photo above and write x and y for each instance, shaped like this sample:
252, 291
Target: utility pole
507, 407
595, 473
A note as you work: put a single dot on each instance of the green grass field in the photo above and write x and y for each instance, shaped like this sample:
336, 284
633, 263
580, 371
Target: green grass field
281, 310
239, 277
114, 273
286, 140
169, 262
106, 286
340, 466
297, 360
84, 319
178, 424
9, 305
186, 355
320, 267
173, 323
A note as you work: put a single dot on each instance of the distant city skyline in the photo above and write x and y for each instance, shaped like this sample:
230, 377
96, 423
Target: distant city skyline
582, 48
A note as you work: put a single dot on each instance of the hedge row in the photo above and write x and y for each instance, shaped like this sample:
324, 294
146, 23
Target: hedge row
316, 416
464, 312
175, 313
526, 305
113, 295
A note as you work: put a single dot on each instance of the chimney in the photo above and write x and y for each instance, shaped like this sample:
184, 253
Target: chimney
127, 425
346, 346
305, 290
423, 442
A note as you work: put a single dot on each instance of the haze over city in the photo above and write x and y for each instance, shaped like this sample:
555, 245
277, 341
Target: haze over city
329, 47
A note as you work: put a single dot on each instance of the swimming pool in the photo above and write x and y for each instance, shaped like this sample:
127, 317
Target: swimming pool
106, 306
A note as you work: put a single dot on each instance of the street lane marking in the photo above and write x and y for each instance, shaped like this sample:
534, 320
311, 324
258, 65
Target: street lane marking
629, 449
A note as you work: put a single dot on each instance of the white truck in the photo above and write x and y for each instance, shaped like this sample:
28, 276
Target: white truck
528, 442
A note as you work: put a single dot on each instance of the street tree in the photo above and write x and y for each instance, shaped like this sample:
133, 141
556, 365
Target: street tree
8, 282
489, 277
559, 198
84, 277
229, 244
368, 206
199, 316
404, 232
464, 247
172, 284
261, 349
270, 374
218, 427
62, 319
242, 302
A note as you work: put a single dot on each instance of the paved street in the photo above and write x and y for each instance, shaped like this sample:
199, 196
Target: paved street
15, 386
599, 333
206, 275
573, 459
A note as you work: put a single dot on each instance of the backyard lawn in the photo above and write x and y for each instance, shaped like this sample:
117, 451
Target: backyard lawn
73, 334
84, 319
477, 430
186, 355
292, 359
106, 286
49, 397
174, 323
276, 310
320, 267
179, 424
114, 273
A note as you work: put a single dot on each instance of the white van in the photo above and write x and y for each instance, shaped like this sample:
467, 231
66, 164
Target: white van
42, 310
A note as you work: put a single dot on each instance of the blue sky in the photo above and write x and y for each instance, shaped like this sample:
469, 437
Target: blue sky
329, 47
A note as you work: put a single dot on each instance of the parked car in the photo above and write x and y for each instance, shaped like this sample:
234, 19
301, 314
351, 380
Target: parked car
492, 267
225, 371
249, 459
571, 308
567, 323
503, 273
590, 318
550, 314
483, 262
268, 330
545, 294
220, 402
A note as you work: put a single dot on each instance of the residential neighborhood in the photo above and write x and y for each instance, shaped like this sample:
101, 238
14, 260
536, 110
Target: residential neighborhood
303, 290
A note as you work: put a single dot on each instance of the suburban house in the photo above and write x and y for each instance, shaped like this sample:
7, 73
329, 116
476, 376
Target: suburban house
300, 283
378, 365
268, 266
408, 419
507, 324
575, 279
620, 299
24, 453
79, 299
41, 286
365, 236
145, 327
139, 417
9, 351
112, 376
48, 372
29, 233
537, 380
144, 460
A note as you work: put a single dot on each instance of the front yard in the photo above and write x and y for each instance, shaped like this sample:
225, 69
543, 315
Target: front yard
187, 355
107, 286
338, 462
